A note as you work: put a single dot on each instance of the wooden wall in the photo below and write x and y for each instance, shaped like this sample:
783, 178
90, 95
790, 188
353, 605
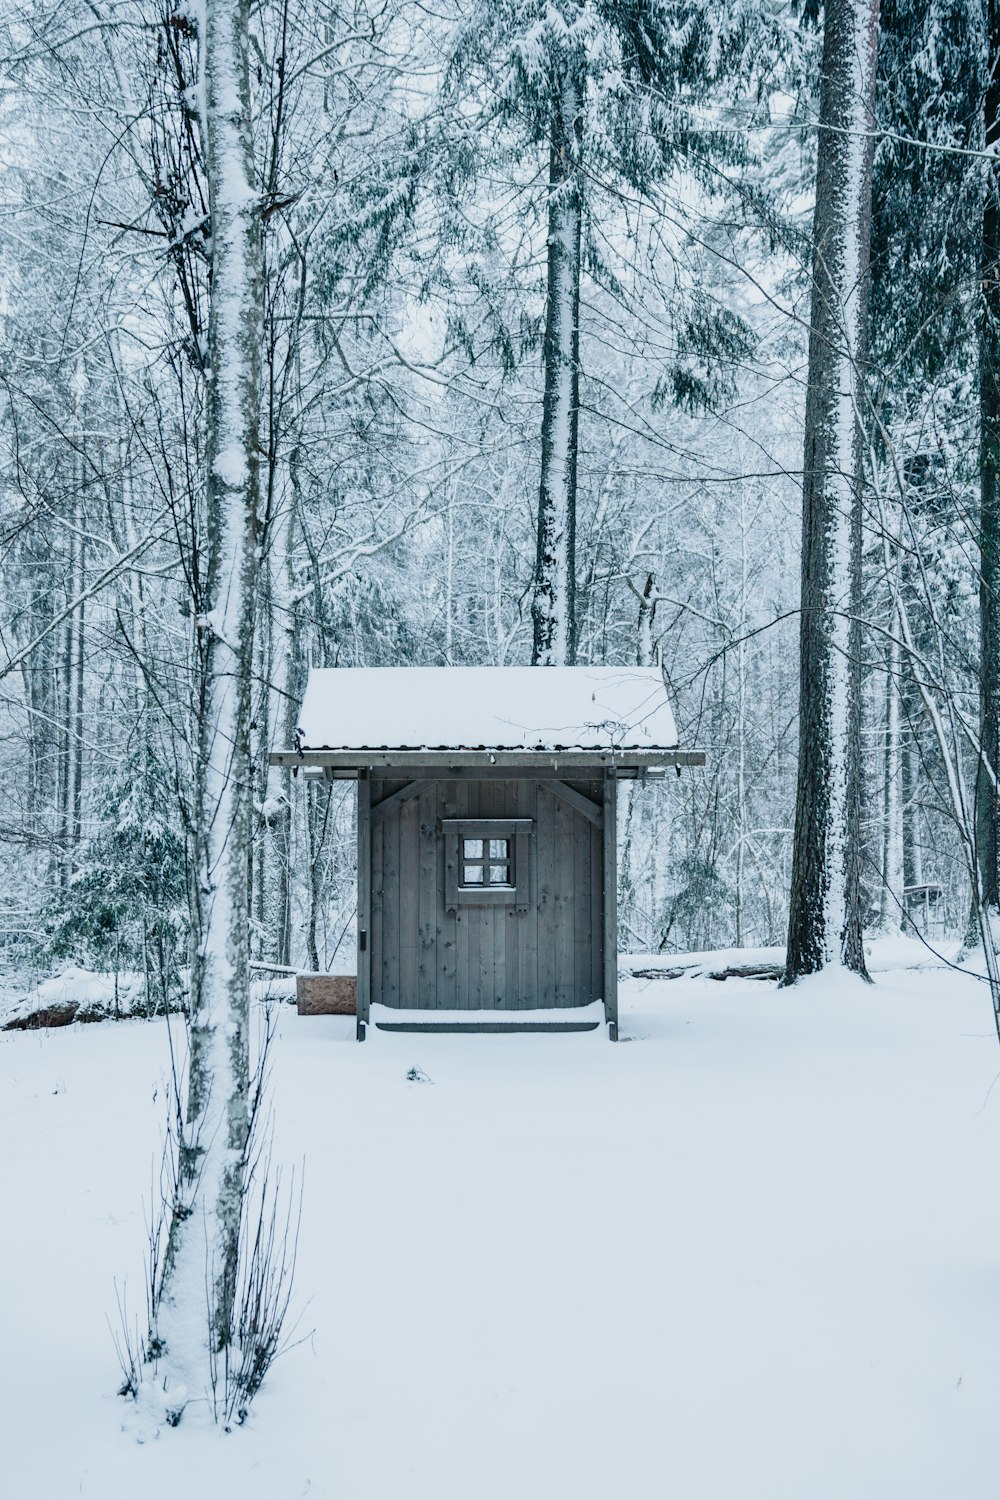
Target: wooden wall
488, 957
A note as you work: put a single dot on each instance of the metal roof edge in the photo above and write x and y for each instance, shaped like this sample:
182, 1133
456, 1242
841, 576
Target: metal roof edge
369, 759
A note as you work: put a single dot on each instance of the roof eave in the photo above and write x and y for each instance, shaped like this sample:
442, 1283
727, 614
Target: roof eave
542, 760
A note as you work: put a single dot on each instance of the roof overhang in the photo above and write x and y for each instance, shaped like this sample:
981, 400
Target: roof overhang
348, 763
513, 710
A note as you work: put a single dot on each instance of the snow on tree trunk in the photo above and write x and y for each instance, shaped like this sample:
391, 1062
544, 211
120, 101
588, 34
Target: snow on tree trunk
195, 1299
553, 607
987, 808
287, 683
825, 914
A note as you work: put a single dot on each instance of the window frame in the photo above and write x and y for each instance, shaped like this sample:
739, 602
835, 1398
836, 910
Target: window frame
486, 862
517, 832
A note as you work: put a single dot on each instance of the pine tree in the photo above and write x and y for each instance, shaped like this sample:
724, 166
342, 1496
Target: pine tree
935, 307
125, 904
608, 88
825, 911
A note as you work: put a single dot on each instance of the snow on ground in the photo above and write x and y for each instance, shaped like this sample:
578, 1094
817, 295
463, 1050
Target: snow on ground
753, 1250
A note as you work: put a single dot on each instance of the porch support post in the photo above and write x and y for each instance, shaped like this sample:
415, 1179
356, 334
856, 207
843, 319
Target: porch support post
611, 903
364, 901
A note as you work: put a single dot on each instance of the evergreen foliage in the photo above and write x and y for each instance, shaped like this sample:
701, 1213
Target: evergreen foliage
124, 907
926, 193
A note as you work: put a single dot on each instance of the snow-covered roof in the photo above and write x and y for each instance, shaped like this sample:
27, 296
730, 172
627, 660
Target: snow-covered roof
487, 708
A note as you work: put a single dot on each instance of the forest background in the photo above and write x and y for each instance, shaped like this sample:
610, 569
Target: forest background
407, 167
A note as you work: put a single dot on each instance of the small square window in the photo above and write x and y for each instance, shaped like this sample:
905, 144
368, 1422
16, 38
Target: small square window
487, 862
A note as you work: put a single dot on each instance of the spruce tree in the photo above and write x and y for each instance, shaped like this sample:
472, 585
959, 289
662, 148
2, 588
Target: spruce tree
825, 912
608, 88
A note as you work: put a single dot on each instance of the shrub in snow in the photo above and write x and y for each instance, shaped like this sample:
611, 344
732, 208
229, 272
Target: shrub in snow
242, 1347
125, 905
702, 904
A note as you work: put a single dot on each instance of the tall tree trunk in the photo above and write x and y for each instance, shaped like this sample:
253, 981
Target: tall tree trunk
893, 883
67, 679
825, 913
78, 624
553, 607
287, 682
911, 770
196, 1293
987, 838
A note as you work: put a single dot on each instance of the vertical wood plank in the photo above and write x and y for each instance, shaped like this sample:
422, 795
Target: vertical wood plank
546, 987
390, 909
463, 977
427, 900
451, 870
409, 869
480, 937
582, 936
501, 916
597, 905
364, 902
377, 926
610, 924
511, 974
447, 925
526, 926
564, 889
522, 866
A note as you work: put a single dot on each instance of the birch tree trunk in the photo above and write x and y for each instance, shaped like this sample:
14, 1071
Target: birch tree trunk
194, 1316
825, 912
553, 608
987, 837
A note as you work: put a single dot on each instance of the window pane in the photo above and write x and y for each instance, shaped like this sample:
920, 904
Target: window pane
499, 874
473, 848
499, 849
473, 875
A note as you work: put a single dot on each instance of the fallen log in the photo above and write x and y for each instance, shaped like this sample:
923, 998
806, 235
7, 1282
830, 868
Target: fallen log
695, 971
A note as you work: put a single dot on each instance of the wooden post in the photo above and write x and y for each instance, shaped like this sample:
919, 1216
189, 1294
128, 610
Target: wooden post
611, 903
364, 901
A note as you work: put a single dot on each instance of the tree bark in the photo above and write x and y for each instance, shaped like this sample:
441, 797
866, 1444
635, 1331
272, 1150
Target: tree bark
195, 1300
987, 839
553, 608
288, 677
893, 882
825, 911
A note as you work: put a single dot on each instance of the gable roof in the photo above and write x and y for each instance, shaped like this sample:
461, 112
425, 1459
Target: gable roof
604, 709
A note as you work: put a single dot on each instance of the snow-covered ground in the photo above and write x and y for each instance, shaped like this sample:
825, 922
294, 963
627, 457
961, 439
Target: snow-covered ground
753, 1251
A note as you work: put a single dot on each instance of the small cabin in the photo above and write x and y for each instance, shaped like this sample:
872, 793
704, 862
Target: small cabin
487, 836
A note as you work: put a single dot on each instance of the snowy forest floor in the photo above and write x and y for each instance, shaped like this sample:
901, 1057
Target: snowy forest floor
752, 1250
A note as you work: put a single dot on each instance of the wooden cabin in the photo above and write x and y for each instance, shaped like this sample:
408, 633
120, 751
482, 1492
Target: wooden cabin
487, 857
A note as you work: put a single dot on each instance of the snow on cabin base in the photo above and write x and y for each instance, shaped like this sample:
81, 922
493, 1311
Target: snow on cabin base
563, 1018
754, 1252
